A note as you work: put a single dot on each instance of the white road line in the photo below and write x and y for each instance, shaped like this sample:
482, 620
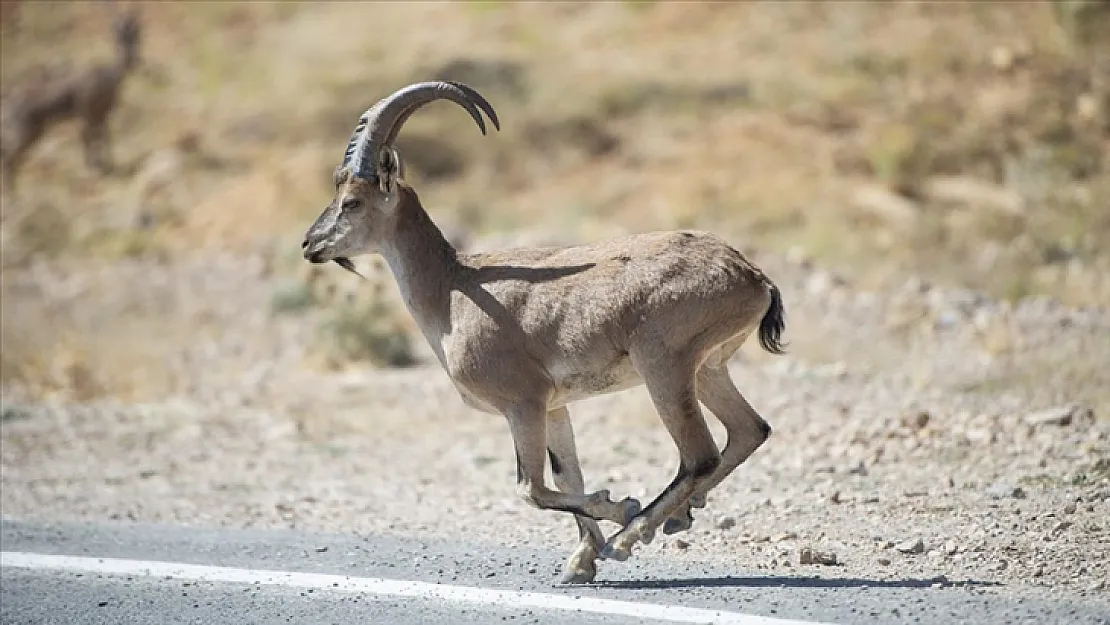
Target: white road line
379, 586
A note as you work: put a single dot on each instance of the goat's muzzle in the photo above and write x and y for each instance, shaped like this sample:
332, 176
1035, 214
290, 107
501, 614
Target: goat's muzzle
314, 252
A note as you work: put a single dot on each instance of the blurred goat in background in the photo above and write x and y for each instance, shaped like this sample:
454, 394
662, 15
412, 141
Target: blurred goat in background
89, 95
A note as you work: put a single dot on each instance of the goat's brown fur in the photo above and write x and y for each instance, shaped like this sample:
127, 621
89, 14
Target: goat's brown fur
90, 96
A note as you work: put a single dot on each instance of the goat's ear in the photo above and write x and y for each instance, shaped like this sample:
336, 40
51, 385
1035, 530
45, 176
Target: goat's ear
389, 170
339, 176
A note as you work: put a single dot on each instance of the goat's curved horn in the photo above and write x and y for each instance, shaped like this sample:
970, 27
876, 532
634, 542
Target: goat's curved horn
379, 125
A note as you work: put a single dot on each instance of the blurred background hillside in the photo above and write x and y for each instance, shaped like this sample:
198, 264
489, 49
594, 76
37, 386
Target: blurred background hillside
963, 143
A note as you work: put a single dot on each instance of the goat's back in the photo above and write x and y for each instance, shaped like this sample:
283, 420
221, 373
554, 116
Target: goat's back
682, 286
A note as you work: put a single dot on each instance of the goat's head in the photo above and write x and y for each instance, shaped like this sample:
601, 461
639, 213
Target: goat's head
367, 197
128, 31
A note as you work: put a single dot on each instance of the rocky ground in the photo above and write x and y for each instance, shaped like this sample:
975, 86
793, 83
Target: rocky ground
921, 435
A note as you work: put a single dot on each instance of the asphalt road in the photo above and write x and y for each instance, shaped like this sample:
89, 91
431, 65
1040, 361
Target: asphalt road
165, 574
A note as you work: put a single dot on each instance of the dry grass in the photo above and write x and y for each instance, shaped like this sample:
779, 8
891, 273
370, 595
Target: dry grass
761, 121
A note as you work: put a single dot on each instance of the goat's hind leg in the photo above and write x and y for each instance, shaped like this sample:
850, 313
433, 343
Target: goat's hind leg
529, 429
671, 387
95, 141
581, 567
745, 428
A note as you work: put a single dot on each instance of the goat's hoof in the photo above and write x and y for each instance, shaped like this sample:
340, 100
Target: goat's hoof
614, 552
632, 508
677, 524
578, 576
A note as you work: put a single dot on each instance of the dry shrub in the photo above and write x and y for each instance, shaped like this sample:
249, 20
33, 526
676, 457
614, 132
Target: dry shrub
42, 230
355, 322
365, 330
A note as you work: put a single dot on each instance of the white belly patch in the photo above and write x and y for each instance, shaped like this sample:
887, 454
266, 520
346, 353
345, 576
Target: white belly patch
575, 385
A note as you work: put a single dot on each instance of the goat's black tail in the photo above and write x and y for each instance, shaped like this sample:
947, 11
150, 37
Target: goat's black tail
773, 324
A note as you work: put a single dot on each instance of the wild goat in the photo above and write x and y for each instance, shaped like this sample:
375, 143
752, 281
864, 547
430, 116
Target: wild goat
90, 96
524, 332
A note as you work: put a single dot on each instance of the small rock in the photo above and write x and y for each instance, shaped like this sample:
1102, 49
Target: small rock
835, 497
947, 319
1002, 58
1061, 526
936, 585
859, 469
321, 549
1058, 416
785, 536
797, 255
950, 548
808, 555
1070, 508
726, 522
1086, 106
681, 544
1002, 490
1097, 586
896, 210
819, 283
1039, 571
982, 435
920, 420
1000, 565
911, 546
884, 561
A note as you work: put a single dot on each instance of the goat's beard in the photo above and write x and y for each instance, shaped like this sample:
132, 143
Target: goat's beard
346, 263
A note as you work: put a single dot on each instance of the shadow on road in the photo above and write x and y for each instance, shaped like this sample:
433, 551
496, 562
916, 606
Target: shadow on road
785, 582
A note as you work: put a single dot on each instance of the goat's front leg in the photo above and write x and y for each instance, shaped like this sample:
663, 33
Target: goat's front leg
529, 429
580, 567
671, 386
17, 144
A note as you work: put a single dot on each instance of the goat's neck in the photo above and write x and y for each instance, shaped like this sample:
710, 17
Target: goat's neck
424, 264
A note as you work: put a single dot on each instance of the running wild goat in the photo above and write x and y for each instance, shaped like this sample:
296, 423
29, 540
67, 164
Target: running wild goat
525, 332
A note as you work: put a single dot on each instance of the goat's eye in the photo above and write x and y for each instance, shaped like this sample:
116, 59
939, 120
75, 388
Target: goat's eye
351, 203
